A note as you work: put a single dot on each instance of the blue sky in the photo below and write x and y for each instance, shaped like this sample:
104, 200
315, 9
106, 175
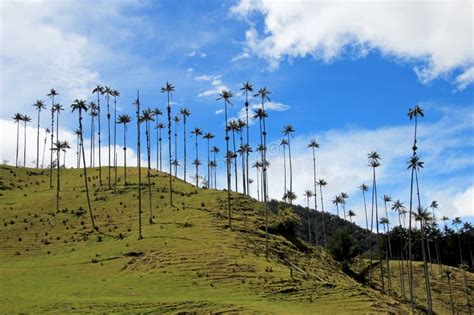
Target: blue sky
345, 74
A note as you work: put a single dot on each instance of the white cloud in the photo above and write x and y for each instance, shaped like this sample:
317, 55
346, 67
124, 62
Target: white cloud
219, 111
216, 85
204, 78
465, 79
242, 56
269, 106
197, 53
438, 36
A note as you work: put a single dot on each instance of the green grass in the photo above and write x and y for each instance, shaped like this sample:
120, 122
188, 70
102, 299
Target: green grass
189, 260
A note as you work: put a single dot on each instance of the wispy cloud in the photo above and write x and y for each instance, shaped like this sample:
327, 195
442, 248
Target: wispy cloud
197, 53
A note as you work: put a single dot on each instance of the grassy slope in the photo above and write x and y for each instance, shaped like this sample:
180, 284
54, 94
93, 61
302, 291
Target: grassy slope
191, 260
439, 285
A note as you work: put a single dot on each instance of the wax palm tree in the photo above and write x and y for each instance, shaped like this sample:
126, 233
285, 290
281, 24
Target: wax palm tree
240, 124
423, 216
208, 136
124, 119
197, 132
17, 118
93, 113
385, 223
197, 163
313, 145
39, 105
226, 96
288, 132
58, 147
337, 201
58, 108
137, 105
169, 89
244, 150
291, 196
344, 196
322, 183
185, 113
264, 93
374, 158
26, 119
364, 188
160, 127
284, 143
386, 200
413, 113
176, 164
65, 147
414, 165
308, 194
108, 92
260, 114
351, 214
52, 93
212, 166
147, 117
80, 106
233, 127
400, 208
44, 144
257, 165
433, 206
464, 267
156, 113
246, 88
115, 94
99, 90
215, 150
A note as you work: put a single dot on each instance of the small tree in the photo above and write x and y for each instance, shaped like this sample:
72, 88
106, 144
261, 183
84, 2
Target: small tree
343, 248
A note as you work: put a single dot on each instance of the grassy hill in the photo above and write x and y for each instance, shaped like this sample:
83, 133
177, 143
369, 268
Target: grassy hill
188, 261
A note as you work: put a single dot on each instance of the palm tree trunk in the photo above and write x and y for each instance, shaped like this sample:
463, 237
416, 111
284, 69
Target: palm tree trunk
208, 163
425, 270
176, 149
291, 168
108, 127
264, 178
38, 139
258, 186
17, 141
100, 158
235, 162
44, 148
169, 151
402, 274
389, 274
51, 147
309, 220
115, 141
24, 148
227, 166
92, 141
139, 171
57, 183
410, 268
215, 171
365, 209
451, 296
161, 152
148, 145
315, 197
284, 173
184, 146
157, 146
248, 142
322, 213
378, 234
125, 153
197, 158
243, 164
85, 172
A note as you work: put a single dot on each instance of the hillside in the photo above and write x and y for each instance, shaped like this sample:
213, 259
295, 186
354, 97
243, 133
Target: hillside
189, 260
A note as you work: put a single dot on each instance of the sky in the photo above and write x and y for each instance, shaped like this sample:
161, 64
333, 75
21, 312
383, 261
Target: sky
342, 72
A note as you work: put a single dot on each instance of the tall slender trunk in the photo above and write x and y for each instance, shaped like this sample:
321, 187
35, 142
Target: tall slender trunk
208, 163
85, 172
196, 161
24, 147
184, 146
108, 135
57, 183
389, 274
402, 274
315, 198
125, 153
248, 142
365, 209
227, 166
264, 178
115, 141
92, 141
51, 147
38, 139
291, 168
284, 173
309, 220
242, 155
139, 170
148, 149
17, 141
235, 161
451, 295
258, 185
157, 145
215, 171
168, 109
161, 152
379, 244
322, 212
44, 148
100, 158
176, 149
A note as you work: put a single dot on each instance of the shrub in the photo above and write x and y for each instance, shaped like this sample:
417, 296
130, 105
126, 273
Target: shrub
343, 247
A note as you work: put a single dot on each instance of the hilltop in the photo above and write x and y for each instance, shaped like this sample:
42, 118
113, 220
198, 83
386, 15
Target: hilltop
189, 259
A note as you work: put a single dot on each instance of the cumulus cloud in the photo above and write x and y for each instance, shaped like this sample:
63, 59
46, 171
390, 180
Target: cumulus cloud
269, 106
216, 85
437, 37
